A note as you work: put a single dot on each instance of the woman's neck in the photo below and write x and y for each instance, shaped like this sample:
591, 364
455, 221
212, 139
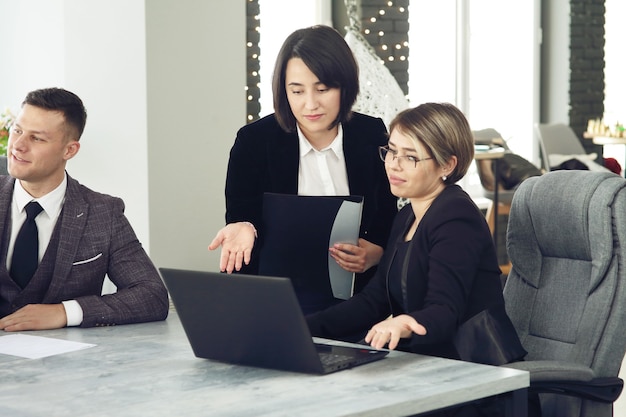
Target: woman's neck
420, 207
320, 140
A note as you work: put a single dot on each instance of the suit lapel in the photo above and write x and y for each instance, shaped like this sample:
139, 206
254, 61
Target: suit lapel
6, 198
357, 161
283, 153
73, 219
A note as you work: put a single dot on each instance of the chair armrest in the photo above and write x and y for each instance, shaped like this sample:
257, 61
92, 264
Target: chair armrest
565, 378
604, 389
554, 371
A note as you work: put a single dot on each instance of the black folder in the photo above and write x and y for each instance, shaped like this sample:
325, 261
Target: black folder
297, 233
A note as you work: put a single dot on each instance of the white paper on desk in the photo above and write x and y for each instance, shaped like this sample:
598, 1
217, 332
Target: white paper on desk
35, 347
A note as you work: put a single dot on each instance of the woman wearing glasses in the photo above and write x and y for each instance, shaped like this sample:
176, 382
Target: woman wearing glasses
439, 268
312, 145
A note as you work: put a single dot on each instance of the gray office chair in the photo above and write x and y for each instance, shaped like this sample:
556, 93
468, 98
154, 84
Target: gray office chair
566, 292
557, 138
3, 165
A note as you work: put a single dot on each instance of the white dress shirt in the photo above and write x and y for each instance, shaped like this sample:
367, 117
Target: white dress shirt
52, 204
322, 172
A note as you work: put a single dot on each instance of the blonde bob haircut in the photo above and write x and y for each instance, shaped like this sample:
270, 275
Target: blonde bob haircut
443, 130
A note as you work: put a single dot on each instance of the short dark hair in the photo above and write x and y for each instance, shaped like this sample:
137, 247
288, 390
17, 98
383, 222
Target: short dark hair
324, 51
445, 132
66, 102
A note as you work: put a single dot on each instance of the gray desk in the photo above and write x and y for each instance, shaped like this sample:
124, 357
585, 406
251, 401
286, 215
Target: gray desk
149, 370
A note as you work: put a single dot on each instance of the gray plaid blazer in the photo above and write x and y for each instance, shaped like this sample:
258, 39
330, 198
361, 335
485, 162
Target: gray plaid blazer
92, 238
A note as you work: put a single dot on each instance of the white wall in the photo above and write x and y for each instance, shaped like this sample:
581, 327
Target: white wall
275, 29
615, 59
159, 128
555, 61
30, 58
196, 102
105, 64
70, 44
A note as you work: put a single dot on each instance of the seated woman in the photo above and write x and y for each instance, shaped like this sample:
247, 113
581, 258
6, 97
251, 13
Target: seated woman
439, 268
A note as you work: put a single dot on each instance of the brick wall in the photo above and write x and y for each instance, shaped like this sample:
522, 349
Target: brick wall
586, 93
253, 92
586, 54
387, 31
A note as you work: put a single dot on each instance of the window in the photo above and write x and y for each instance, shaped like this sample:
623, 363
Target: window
279, 18
615, 83
483, 57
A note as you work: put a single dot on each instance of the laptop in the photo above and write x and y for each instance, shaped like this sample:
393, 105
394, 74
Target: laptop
255, 321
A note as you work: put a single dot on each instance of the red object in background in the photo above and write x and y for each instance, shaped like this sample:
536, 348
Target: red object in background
612, 165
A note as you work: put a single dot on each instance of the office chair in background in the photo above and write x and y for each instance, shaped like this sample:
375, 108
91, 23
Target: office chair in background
487, 175
566, 292
560, 141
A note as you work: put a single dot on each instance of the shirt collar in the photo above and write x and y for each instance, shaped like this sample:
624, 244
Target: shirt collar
51, 202
336, 145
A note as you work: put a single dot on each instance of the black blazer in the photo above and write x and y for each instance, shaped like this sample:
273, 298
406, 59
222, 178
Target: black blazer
448, 273
265, 158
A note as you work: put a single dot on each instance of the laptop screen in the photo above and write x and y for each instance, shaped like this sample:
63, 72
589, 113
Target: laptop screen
243, 319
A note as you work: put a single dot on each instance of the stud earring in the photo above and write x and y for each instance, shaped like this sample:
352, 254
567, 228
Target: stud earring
444, 178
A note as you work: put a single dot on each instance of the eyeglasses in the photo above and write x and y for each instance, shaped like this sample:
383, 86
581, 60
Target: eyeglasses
404, 161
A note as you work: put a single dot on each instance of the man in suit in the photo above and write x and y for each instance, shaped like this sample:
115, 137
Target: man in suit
82, 235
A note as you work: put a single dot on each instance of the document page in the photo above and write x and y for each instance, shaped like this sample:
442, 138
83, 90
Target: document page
35, 347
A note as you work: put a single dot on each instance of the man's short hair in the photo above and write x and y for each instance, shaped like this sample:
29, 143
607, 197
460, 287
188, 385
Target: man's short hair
66, 102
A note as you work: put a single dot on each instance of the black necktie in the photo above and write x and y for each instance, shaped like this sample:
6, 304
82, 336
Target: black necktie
26, 249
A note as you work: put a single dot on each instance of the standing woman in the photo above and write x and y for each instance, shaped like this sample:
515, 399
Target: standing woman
312, 145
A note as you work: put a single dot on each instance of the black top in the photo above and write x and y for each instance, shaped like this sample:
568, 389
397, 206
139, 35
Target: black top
447, 273
265, 158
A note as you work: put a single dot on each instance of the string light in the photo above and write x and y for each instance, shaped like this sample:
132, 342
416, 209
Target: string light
252, 88
390, 11
389, 48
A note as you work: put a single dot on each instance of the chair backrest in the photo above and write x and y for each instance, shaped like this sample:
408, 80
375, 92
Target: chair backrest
485, 167
566, 292
557, 138
489, 136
